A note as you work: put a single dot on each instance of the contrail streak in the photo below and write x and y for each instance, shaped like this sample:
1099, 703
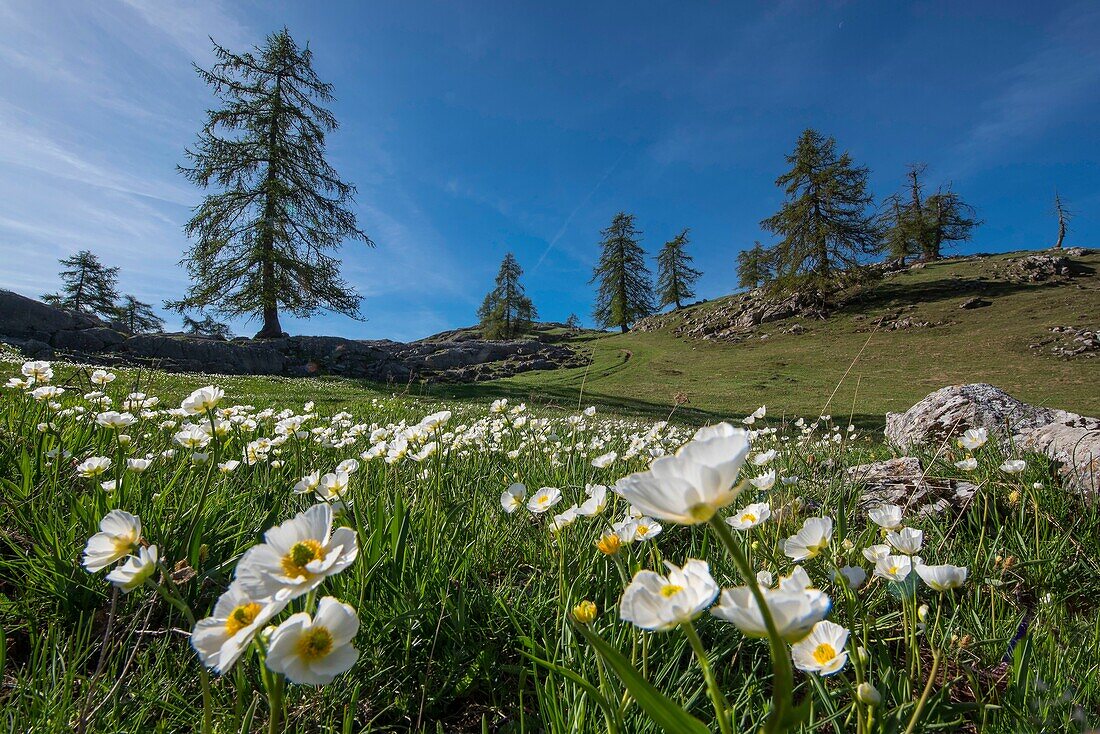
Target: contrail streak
580, 206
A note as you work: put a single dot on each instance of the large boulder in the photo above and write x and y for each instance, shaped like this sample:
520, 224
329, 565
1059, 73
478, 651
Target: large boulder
199, 354
951, 410
25, 318
1071, 440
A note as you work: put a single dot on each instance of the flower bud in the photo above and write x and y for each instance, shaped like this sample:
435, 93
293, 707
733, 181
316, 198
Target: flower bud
609, 544
868, 694
584, 612
864, 657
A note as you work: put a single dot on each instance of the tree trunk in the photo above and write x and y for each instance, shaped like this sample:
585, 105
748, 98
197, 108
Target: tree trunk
272, 329
1061, 233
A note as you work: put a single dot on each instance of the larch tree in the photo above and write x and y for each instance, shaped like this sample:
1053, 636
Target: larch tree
753, 267
266, 239
624, 286
137, 316
207, 326
506, 311
915, 225
675, 275
947, 219
1064, 215
824, 226
87, 285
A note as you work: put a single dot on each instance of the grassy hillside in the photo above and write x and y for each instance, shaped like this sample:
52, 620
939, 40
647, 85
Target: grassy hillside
844, 364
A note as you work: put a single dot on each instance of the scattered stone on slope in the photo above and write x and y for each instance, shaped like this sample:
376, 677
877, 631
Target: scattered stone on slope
975, 302
1070, 439
901, 481
1069, 342
1039, 268
737, 317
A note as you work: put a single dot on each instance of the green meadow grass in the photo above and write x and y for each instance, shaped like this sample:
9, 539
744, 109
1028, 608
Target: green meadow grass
465, 611
843, 365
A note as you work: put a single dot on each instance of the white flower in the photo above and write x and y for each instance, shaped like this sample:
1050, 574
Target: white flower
874, 552
137, 466
765, 481
942, 578
315, 651
47, 392
297, 556
893, 568
813, 538
750, 516
192, 437
690, 486
565, 519
640, 528
224, 635
852, 576
136, 570
115, 420
102, 377
596, 502
347, 466
1013, 466
763, 458
794, 611
333, 486
822, 651
93, 466
202, 400
309, 483
967, 464
228, 467
604, 461
512, 498
974, 438
119, 532
886, 516
37, 371
908, 540
544, 499
656, 602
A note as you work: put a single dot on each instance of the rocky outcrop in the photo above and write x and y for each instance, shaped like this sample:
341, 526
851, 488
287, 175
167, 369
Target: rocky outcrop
902, 482
43, 331
737, 317
1071, 440
1042, 267
1070, 342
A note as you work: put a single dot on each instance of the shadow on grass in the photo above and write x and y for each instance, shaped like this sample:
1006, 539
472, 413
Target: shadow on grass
568, 398
896, 294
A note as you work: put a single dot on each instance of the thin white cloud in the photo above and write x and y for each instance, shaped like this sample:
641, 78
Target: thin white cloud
1037, 92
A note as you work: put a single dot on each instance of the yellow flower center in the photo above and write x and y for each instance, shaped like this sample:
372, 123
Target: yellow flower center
301, 554
813, 550
542, 500
643, 529
893, 570
669, 590
823, 653
748, 517
123, 543
701, 512
314, 644
241, 617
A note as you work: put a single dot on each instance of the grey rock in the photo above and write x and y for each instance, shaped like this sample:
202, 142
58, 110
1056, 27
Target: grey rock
902, 481
975, 302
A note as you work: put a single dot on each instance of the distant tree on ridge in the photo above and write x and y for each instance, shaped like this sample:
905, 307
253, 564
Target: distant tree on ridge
506, 311
624, 289
88, 286
675, 275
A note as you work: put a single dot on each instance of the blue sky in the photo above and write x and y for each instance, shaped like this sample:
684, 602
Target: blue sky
472, 129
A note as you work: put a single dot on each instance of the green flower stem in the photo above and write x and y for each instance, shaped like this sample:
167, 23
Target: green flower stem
783, 684
721, 706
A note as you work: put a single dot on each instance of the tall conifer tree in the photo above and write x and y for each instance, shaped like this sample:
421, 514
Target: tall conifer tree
825, 229
625, 290
675, 275
266, 239
87, 285
506, 311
